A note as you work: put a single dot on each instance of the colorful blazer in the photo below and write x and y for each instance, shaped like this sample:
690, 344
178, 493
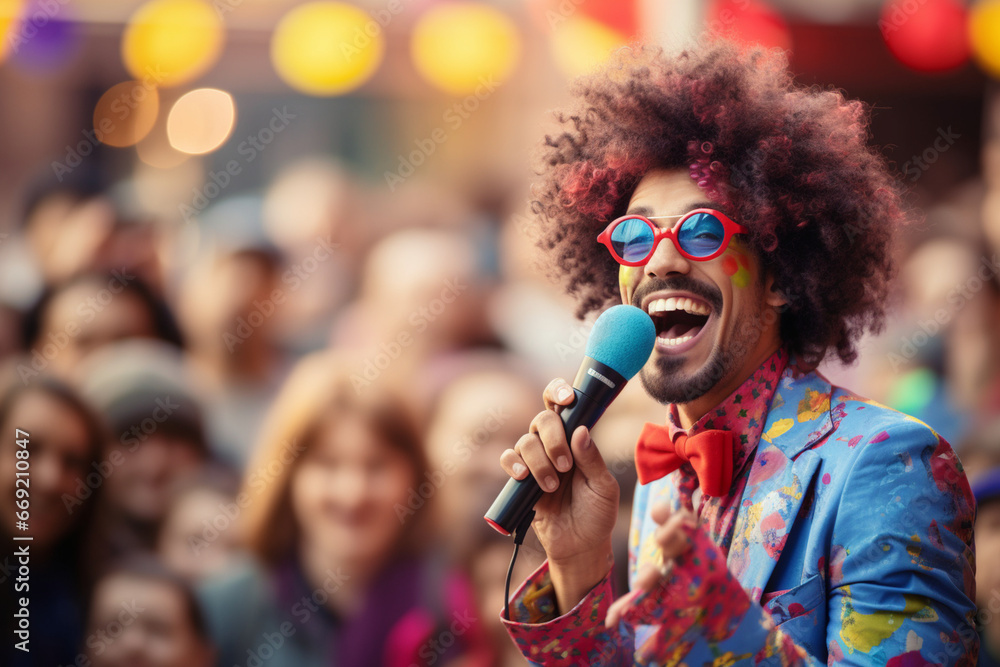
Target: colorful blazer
853, 545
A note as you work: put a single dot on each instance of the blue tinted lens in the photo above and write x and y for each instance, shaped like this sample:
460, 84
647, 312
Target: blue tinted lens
632, 239
701, 235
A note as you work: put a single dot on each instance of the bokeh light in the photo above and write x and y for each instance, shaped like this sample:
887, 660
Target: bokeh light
200, 121
749, 22
10, 10
42, 42
126, 113
155, 150
172, 41
581, 44
305, 201
931, 37
458, 46
984, 34
326, 48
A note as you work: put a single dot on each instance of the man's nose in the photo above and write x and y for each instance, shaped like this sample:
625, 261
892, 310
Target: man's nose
666, 261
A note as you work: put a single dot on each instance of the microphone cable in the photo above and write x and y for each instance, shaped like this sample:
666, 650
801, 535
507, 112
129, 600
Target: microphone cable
519, 534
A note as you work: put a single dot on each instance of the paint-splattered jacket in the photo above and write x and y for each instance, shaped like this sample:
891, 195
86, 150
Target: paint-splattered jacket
852, 544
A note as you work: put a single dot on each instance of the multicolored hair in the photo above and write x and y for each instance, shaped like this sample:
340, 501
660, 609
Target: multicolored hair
791, 163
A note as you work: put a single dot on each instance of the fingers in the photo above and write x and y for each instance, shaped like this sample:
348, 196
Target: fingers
543, 452
660, 512
532, 450
589, 461
528, 456
558, 393
640, 595
513, 464
650, 575
674, 539
618, 608
674, 536
550, 428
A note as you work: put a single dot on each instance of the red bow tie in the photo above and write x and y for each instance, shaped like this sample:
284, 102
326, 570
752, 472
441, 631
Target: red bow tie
709, 452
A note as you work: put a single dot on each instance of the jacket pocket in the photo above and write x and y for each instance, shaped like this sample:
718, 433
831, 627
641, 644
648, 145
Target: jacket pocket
797, 601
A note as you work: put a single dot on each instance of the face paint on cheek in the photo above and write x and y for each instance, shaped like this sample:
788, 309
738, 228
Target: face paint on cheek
628, 278
736, 265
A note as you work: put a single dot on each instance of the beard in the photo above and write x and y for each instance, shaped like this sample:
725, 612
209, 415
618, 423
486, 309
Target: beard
666, 383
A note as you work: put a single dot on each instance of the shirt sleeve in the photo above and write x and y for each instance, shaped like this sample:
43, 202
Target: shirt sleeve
700, 613
578, 637
701, 602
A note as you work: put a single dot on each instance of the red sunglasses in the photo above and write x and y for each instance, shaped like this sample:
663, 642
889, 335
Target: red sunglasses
699, 235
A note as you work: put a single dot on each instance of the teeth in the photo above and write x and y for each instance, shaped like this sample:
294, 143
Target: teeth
674, 341
677, 303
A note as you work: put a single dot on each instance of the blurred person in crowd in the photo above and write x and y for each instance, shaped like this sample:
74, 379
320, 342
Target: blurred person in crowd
477, 416
318, 215
986, 488
144, 615
77, 225
11, 331
58, 222
200, 532
938, 361
155, 437
484, 558
62, 436
422, 298
339, 575
528, 310
980, 450
230, 300
86, 312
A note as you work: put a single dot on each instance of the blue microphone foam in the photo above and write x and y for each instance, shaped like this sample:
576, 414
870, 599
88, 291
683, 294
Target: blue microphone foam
622, 338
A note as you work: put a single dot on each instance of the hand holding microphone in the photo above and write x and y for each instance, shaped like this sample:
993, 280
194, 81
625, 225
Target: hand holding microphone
558, 470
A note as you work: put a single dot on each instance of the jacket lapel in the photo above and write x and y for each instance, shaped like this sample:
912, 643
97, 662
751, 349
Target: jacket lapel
780, 475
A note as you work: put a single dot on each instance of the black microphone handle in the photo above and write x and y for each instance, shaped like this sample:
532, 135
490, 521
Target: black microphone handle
595, 386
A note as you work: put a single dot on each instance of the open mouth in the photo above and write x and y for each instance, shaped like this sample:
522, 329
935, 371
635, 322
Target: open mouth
678, 320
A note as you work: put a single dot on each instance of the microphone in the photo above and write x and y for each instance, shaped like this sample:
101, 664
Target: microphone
620, 344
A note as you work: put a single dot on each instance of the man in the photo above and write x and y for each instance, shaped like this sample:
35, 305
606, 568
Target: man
779, 519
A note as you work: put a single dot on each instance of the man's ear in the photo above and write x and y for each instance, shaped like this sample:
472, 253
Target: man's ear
772, 296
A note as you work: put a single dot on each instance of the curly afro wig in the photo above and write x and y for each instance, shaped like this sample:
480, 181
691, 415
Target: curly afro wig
791, 163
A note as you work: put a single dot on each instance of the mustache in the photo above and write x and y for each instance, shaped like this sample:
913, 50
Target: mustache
709, 293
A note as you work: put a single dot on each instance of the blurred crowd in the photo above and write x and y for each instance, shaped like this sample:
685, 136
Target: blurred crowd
267, 435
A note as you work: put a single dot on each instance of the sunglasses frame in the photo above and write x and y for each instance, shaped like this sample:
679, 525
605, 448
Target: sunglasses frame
659, 233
